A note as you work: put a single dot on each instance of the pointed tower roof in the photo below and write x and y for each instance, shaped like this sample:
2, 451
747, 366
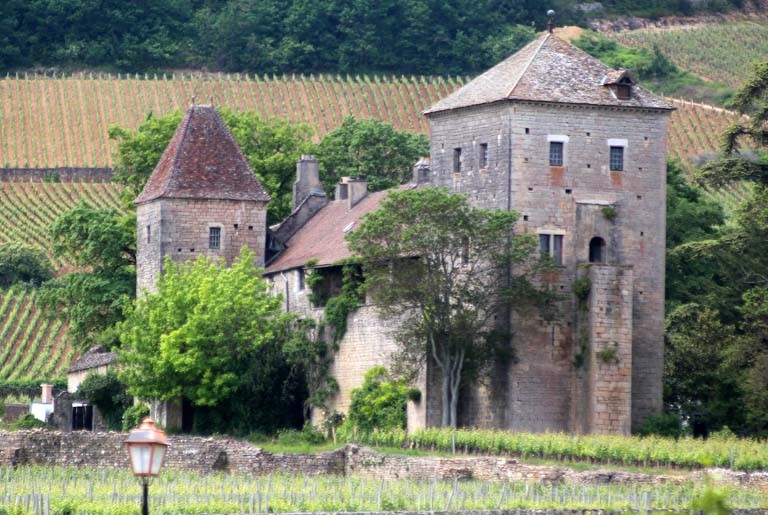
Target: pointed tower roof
203, 161
547, 70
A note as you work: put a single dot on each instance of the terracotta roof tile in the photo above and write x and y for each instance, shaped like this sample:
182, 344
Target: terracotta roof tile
546, 70
203, 161
322, 237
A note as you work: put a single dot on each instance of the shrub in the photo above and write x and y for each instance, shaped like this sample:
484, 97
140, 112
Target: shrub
106, 393
379, 403
132, 416
666, 424
28, 421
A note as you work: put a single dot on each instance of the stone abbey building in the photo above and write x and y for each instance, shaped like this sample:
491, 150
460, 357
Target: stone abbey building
576, 148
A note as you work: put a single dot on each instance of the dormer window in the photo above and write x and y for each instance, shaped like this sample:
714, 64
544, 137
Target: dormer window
620, 82
624, 89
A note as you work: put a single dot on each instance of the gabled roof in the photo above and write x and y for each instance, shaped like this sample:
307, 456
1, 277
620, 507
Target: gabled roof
322, 237
93, 358
203, 161
546, 70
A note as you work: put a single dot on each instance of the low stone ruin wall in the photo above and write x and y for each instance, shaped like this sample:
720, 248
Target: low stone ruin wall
82, 448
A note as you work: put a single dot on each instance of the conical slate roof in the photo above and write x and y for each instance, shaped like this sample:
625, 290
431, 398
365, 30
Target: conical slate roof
547, 70
203, 161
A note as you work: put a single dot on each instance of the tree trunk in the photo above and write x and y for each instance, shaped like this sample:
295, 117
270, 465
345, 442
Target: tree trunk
455, 379
446, 397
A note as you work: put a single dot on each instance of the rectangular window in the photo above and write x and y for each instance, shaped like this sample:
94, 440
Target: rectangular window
483, 155
214, 238
149, 233
617, 159
456, 160
302, 276
552, 245
555, 153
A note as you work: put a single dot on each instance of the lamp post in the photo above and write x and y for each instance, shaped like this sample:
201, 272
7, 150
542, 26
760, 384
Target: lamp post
146, 447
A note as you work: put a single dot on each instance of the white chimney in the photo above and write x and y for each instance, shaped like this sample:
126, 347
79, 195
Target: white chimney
47, 393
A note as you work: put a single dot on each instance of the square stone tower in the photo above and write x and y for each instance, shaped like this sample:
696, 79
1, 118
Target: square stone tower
202, 198
579, 150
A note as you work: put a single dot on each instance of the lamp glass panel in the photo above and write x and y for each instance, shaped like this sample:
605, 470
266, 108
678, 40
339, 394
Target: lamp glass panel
140, 454
158, 452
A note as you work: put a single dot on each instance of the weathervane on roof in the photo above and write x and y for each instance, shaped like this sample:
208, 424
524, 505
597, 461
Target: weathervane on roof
551, 16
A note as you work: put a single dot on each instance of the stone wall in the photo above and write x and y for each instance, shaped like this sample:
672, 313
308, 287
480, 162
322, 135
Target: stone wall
179, 228
86, 449
566, 200
63, 174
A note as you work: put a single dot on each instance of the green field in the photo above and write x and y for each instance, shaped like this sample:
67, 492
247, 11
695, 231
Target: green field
33, 490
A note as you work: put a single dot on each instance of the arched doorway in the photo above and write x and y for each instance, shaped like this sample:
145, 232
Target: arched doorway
597, 250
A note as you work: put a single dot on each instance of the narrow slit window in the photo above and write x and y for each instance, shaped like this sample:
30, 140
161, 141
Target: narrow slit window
555, 153
302, 277
214, 238
617, 159
483, 155
149, 234
456, 160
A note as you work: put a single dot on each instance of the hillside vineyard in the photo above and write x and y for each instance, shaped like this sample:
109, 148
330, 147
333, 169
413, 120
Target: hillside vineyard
54, 122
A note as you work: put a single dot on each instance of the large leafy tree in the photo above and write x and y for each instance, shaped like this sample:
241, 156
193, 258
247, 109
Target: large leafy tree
445, 269
212, 335
719, 373
101, 243
371, 148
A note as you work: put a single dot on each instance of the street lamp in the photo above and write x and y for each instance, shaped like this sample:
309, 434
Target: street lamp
146, 447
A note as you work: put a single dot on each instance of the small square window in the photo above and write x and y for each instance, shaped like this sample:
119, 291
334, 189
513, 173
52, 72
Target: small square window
483, 155
214, 238
617, 159
456, 160
555, 153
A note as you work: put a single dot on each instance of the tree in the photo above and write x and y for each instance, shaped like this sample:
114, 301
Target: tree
107, 393
445, 269
371, 148
702, 381
102, 244
22, 264
212, 335
271, 147
750, 100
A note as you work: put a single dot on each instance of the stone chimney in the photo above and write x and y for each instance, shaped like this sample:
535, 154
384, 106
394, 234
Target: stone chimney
352, 190
422, 171
47, 393
307, 180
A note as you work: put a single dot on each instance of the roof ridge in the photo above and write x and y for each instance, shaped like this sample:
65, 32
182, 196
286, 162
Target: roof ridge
528, 64
182, 142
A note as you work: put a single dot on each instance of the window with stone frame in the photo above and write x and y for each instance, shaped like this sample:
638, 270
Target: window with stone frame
483, 162
555, 153
551, 245
617, 159
214, 238
456, 160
